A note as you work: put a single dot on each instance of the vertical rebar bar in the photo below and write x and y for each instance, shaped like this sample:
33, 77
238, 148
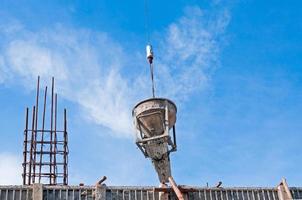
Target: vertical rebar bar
65, 166
31, 148
37, 102
42, 133
55, 142
25, 147
51, 133
35, 129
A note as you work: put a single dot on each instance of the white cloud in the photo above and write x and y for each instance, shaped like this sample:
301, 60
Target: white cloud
10, 169
88, 65
191, 50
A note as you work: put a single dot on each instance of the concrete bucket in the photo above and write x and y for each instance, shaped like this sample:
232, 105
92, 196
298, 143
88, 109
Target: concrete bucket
153, 118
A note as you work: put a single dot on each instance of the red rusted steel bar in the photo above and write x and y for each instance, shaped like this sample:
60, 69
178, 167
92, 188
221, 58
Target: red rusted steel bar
35, 131
42, 133
25, 147
46, 131
51, 132
47, 152
104, 178
37, 102
65, 167
55, 141
31, 148
48, 163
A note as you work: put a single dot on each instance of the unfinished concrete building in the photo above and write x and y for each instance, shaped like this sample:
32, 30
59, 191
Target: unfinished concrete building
103, 192
45, 165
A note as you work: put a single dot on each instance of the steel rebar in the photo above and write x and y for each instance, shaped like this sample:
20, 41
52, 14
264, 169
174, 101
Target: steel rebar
36, 124
42, 134
25, 147
51, 131
55, 141
31, 148
65, 167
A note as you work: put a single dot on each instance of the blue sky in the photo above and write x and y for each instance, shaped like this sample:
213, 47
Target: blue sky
233, 68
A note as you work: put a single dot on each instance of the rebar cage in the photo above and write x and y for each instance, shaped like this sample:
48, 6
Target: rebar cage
45, 154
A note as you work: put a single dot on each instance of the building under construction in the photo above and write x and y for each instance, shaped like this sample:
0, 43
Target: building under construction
103, 192
45, 163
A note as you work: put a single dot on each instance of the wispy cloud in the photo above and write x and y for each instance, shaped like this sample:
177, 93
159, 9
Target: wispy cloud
86, 65
89, 65
9, 165
190, 52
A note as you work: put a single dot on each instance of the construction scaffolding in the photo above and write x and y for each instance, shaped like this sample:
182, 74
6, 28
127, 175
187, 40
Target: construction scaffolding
45, 149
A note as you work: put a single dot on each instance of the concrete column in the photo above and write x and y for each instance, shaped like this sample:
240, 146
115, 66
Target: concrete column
163, 195
37, 191
100, 192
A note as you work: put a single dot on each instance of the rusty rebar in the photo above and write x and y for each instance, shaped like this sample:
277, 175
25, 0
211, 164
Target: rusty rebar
55, 141
65, 167
35, 131
31, 148
104, 178
51, 132
42, 133
56, 166
25, 147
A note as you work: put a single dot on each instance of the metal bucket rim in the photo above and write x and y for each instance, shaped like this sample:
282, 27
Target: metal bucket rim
150, 99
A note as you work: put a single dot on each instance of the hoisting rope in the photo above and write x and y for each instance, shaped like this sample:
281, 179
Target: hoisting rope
152, 79
147, 21
149, 50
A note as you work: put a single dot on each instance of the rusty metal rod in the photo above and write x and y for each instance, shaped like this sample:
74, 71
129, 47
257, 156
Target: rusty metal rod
47, 152
51, 131
47, 163
42, 135
104, 178
25, 147
37, 102
55, 141
36, 124
31, 147
65, 167
46, 131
